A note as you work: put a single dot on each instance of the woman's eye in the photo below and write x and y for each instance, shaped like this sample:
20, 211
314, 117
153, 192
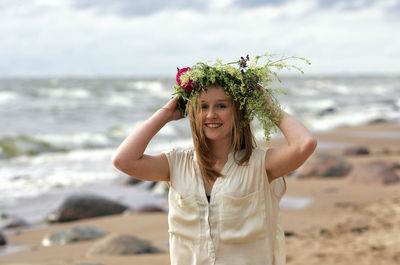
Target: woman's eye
222, 106
203, 106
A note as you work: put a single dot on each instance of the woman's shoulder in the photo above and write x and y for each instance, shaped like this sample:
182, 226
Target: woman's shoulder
180, 153
259, 152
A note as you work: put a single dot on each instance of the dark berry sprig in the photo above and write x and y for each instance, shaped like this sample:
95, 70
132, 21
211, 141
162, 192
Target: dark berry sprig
243, 61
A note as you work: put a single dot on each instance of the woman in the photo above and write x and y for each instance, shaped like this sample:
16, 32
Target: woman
224, 195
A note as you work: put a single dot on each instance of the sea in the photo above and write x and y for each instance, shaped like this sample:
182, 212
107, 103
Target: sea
57, 135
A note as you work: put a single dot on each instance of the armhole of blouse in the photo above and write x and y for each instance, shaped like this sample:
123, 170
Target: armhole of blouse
171, 157
278, 185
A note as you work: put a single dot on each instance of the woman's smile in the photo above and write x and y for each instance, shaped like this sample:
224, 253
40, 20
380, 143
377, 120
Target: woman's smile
214, 125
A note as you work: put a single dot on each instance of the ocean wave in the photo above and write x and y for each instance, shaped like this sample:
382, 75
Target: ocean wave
352, 116
30, 176
154, 88
169, 131
341, 89
118, 100
30, 145
63, 92
7, 96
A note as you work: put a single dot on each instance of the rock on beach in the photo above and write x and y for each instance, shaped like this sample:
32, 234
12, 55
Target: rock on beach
3, 240
376, 172
116, 244
77, 207
324, 165
357, 150
72, 234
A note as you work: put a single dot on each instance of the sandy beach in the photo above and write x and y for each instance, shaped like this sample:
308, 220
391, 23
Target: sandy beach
346, 223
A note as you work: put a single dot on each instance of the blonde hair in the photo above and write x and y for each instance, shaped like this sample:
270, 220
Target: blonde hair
242, 138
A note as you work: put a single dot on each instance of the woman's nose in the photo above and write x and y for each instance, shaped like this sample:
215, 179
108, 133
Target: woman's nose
211, 113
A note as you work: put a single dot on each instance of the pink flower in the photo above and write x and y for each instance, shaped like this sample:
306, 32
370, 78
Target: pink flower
188, 85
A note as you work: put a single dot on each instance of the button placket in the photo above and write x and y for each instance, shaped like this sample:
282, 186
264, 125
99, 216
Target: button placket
210, 241
208, 217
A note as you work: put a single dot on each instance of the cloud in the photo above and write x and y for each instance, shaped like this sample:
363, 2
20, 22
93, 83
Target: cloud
341, 4
393, 10
137, 8
129, 8
346, 4
391, 7
67, 37
258, 3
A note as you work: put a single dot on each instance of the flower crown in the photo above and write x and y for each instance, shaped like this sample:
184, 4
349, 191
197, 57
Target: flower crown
248, 84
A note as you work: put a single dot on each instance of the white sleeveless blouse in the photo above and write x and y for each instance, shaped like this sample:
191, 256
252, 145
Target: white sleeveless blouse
241, 224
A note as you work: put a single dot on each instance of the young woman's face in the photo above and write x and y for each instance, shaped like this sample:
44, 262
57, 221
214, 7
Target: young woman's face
216, 114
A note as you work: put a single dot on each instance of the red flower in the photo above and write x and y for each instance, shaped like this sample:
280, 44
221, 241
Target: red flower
188, 85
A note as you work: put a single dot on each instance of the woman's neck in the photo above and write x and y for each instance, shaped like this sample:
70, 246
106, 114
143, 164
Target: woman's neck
220, 150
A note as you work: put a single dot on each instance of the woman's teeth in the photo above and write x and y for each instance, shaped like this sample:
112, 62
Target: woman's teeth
213, 125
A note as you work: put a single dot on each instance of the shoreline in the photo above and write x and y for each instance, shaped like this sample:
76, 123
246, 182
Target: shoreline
319, 234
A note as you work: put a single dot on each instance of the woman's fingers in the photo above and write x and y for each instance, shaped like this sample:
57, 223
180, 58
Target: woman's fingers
172, 106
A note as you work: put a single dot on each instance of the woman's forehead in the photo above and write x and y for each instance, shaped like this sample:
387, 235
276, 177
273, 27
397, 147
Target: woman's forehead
214, 93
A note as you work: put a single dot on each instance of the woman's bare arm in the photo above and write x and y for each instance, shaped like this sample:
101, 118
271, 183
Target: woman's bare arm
130, 157
300, 145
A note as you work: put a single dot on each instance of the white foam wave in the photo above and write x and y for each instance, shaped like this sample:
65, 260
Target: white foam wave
141, 85
117, 100
317, 104
7, 96
380, 89
122, 131
341, 89
353, 116
61, 92
168, 130
155, 88
75, 140
31, 176
42, 143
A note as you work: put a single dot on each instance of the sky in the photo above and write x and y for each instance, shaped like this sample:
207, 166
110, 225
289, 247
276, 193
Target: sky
45, 38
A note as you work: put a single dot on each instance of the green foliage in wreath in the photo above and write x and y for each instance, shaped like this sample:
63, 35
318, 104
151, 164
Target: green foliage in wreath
249, 84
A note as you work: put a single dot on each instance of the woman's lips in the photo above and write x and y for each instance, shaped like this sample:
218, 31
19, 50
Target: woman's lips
213, 125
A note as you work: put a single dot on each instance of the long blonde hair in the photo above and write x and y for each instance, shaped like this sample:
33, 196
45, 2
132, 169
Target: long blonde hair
242, 138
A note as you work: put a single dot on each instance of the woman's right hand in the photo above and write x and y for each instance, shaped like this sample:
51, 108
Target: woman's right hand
172, 108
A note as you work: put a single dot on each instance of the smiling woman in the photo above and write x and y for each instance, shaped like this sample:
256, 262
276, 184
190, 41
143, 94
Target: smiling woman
225, 192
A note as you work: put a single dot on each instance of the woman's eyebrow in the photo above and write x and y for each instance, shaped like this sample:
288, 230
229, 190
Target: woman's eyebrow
217, 101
